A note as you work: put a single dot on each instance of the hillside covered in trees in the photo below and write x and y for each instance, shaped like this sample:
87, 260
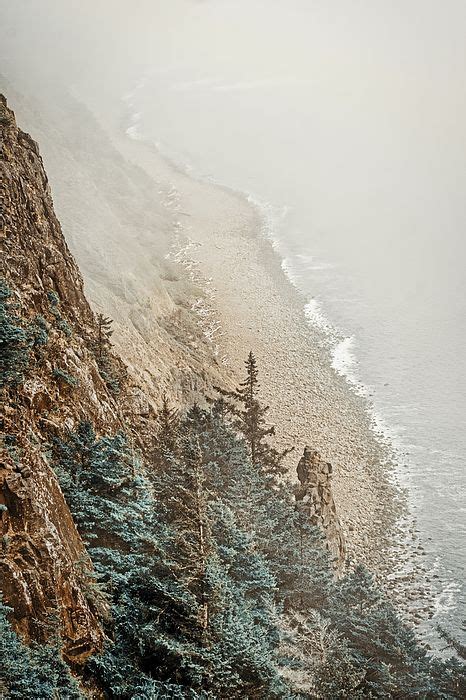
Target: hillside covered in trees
160, 554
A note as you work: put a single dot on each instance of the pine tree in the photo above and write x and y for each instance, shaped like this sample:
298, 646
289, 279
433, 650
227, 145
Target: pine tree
167, 435
15, 342
104, 333
182, 493
36, 672
110, 370
294, 550
395, 664
317, 660
244, 621
249, 418
113, 505
452, 642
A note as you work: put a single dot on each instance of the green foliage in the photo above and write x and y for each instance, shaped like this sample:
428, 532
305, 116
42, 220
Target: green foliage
61, 323
116, 514
452, 642
39, 331
65, 377
293, 549
9, 442
101, 346
53, 299
168, 433
319, 663
104, 333
15, 343
37, 672
248, 416
219, 586
394, 663
64, 326
234, 625
17, 339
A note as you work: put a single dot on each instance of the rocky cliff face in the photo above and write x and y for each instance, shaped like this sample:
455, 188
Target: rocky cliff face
120, 226
51, 378
315, 498
50, 381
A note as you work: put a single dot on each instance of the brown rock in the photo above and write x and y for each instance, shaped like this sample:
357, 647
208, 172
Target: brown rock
315, 498
44, 567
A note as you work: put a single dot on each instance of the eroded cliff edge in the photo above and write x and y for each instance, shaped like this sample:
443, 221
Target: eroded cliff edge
50, 380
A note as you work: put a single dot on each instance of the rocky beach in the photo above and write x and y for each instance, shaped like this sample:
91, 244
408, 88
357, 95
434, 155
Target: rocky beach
245, 301
231, 321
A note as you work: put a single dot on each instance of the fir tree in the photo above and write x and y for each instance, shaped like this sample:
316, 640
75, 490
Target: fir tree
182, 493
129, 543
317, 660
36, 672
249, 418
452, 642
104, 333
395, 664
15, 342
294, 550
167, 435
209, 561
110, 372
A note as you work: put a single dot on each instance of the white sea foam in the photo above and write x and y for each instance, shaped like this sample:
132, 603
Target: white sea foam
315, 316
344, 360
342, 347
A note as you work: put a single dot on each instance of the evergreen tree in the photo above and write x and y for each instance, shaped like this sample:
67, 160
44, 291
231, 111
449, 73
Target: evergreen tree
249, 418
36, 672
209, 562
247, 648
395, 665
319, 663
187, 513
235, 626
294, 549
110, 371
15, 343
452, 642
104, 333
129, 544
167, 435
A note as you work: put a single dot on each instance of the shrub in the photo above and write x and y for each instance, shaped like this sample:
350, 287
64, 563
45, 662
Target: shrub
60, 374
15, 343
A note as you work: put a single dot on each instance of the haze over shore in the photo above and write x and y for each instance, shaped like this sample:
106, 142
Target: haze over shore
364, 142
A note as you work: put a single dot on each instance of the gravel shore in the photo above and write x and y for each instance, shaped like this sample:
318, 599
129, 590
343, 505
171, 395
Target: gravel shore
246, 302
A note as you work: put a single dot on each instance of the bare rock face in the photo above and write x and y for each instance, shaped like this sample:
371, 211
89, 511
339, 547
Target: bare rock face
314, 497
44, 568
45, 571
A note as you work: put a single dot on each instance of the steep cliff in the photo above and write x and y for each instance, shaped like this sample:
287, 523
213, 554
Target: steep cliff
50, 379
197, 548
120, 226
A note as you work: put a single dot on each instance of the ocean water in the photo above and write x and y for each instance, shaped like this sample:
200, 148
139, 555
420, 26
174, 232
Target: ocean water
355, 146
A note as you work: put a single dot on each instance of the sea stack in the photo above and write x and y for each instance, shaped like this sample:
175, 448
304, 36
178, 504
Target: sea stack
315, 498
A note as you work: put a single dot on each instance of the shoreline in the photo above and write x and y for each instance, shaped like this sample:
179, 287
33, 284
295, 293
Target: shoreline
248, 302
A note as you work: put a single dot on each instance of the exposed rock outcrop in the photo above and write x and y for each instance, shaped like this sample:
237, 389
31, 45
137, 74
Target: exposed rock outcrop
120, 226
315, 498
45, 570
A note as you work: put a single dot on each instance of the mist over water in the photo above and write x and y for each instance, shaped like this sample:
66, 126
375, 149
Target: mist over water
347, 119
353, 133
